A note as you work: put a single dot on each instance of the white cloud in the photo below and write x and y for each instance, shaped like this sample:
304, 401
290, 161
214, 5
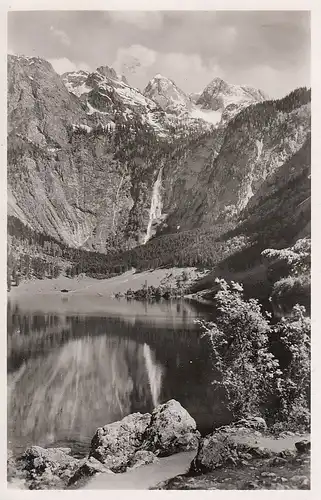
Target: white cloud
144, 20
63, 65
188, 71
274, 81
61, 35
229, 35
133, 59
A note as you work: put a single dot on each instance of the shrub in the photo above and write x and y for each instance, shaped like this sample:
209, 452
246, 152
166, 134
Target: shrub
240, 348
288, 292
247, 371
295, 260
293, 388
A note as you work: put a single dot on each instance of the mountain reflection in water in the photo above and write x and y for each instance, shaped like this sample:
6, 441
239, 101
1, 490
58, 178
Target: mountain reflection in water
69, 374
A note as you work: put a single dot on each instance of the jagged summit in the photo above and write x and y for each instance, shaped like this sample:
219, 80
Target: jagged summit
219, 94
167, 94
111, 73
81, 81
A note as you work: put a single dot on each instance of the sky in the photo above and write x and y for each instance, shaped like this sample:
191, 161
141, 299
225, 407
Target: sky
269, 50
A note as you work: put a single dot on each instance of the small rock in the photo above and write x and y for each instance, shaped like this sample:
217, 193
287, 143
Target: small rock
268, 474
287, 454
303, 446
90, 467
277, 461
298, 478
283, 480
250, 485
260, 452
142, 457
256, 423
278, 486
305, 482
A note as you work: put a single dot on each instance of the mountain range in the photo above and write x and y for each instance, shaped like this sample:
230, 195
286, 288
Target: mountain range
97, 164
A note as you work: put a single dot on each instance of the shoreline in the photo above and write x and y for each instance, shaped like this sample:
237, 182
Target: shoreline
84, 285
163, 454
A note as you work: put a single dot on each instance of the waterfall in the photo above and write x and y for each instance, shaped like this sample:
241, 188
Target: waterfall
259, 145
155, 206
154, 374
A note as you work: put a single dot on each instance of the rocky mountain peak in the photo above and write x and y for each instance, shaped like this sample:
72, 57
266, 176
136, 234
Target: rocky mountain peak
109, 72
219, 94
81, 82
167, 94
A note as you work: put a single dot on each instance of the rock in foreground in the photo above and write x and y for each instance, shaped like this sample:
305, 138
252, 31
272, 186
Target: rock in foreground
230, 445
49, 468
171, 430
261, 474
115, 444
139, 439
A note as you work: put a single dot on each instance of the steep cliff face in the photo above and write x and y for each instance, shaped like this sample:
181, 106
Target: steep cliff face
231, 169
82, 164
97, 164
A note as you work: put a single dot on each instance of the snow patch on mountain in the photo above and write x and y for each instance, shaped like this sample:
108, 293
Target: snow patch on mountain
82, 126
194, 96
93, 110
209, 116
134, 97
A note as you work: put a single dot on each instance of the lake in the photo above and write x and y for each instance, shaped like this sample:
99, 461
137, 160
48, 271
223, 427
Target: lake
77, 363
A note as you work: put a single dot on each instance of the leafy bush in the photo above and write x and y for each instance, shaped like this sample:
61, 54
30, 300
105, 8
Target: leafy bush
296, 260
293, 388
240, 347
288, 292
247, 371
289, 269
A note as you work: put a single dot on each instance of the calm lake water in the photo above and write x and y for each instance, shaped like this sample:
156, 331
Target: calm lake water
71, 371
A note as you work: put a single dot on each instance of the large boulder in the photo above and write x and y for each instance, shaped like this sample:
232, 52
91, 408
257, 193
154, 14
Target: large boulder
214, 451
171, 430
115, 444
47, 468
231, 444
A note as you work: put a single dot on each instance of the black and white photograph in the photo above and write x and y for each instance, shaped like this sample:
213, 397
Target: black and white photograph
158, 251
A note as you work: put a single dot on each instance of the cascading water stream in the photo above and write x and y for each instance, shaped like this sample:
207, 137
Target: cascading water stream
154, 373
156, 205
